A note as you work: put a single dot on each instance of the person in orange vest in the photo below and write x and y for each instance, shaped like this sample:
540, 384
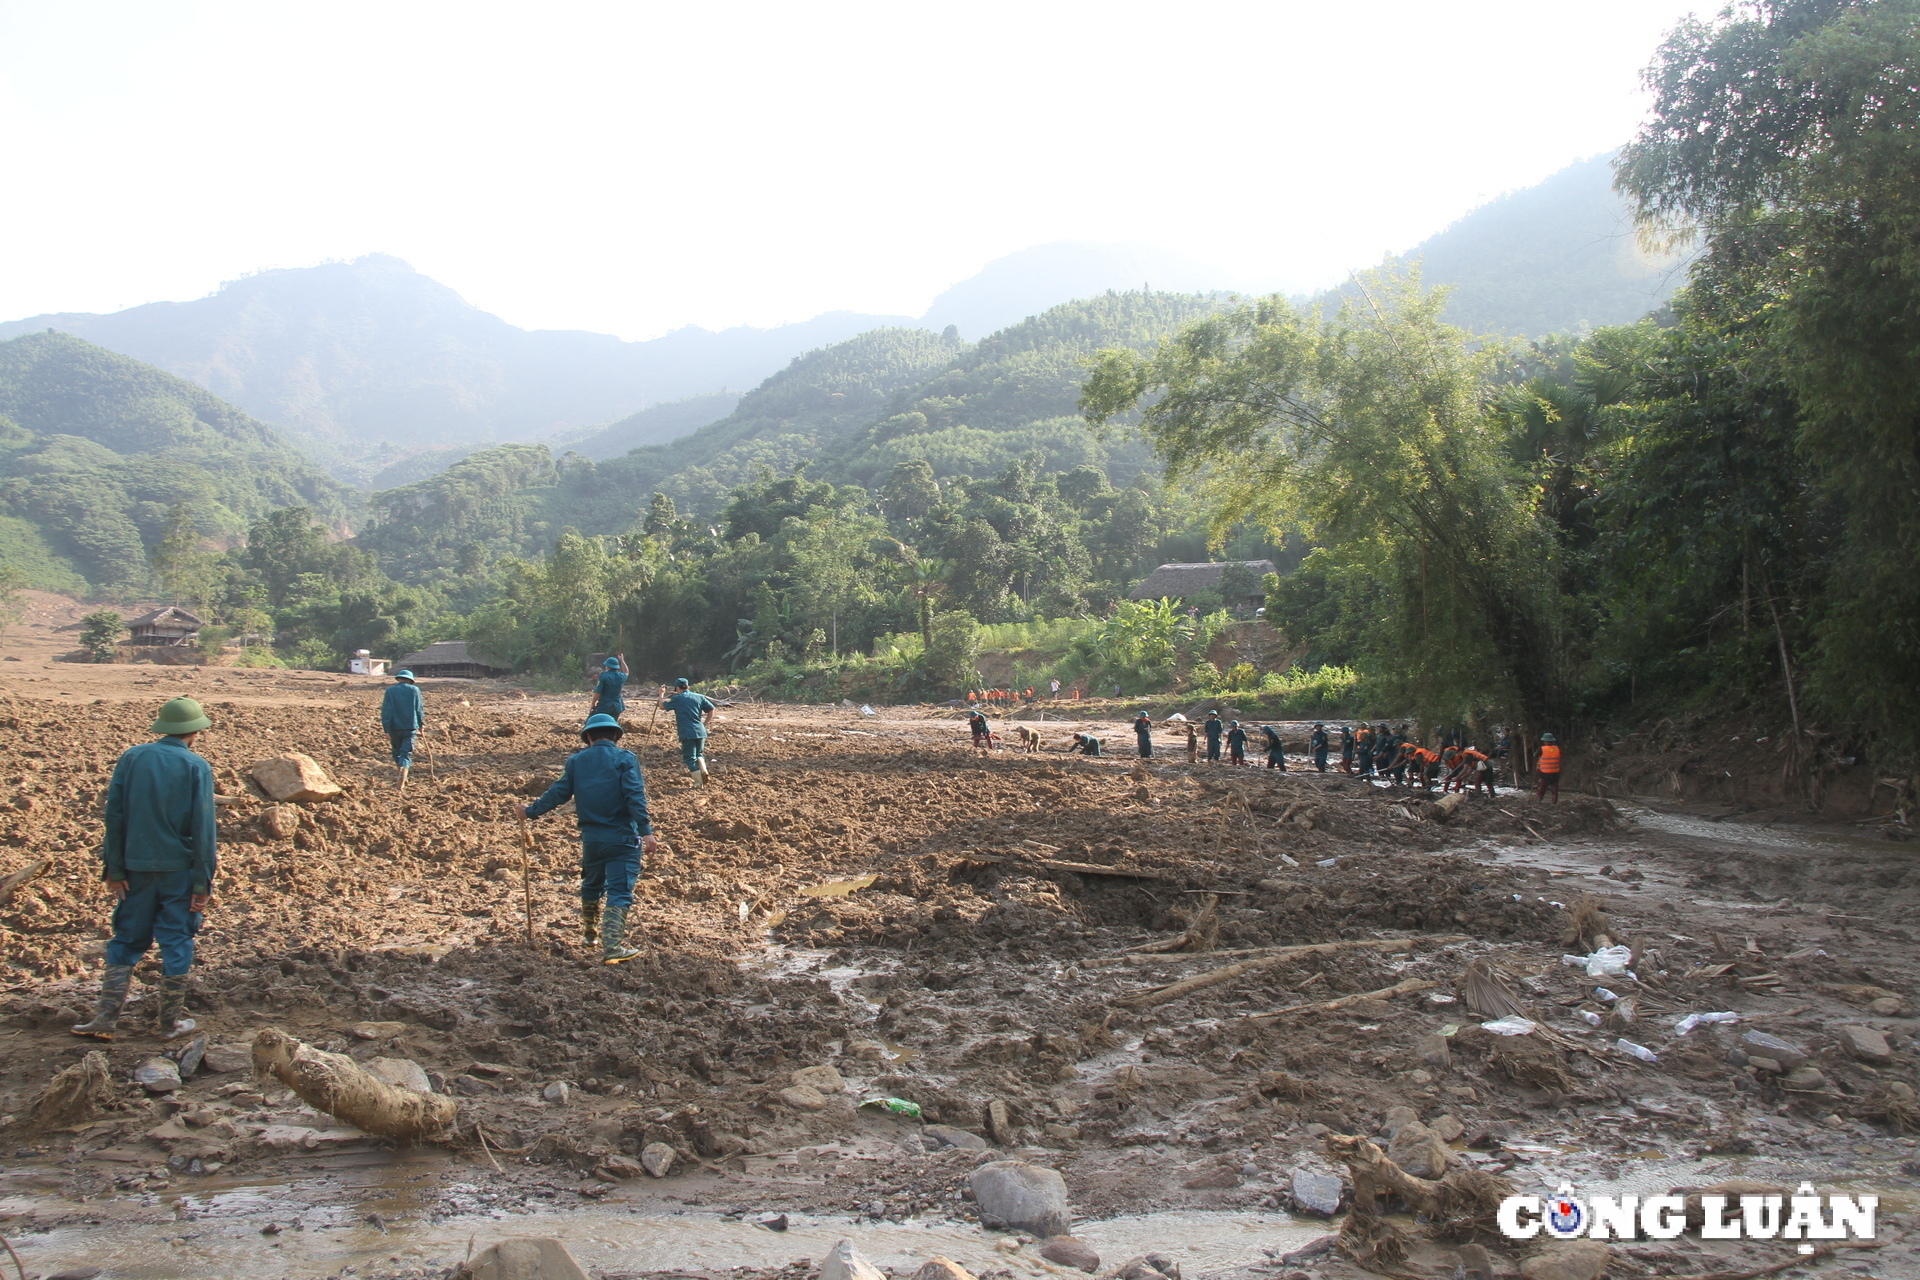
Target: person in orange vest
1548, 769
1424, 763
1476, 770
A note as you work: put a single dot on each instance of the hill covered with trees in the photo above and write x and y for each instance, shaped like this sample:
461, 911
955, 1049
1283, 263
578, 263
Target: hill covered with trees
97, 448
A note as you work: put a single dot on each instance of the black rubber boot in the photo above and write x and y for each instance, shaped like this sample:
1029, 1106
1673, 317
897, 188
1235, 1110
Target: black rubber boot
113, 995
590, 921
613, 942
173, 1008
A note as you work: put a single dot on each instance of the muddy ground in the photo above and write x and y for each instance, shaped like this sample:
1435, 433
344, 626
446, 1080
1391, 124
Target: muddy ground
976, 974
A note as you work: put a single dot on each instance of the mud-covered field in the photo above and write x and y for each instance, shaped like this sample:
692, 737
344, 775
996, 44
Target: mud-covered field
965, 933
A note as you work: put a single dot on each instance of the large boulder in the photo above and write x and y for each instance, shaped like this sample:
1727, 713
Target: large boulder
523, 1258
1013, 1195
1864, 1043
1419, 1151
294, 778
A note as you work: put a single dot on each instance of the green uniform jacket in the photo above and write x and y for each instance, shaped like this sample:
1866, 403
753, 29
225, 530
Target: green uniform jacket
687, 707
402, 710
160, 814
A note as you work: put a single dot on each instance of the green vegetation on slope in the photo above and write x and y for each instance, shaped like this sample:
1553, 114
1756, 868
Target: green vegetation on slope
95, 448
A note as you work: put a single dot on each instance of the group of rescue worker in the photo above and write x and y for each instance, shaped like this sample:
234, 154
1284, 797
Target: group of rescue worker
1369, 751
160, 857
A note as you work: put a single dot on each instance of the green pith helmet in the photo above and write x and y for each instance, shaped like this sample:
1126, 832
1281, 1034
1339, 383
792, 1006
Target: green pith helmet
1545, 737
181, 716
601, 722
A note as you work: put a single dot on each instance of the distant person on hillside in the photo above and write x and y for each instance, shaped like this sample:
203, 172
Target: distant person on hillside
159, 858
403, 714
607, 696
1053, 687
692, 714
1236, 744
609, 795
1215, 731
1276, 749
1143, 734
1548, 769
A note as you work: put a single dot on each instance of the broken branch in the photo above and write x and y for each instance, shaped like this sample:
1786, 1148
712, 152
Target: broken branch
32, 871
1323, 1006
1214, 977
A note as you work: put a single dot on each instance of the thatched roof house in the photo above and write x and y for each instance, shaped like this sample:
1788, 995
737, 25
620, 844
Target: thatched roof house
451, 658
171, 625
1179, 581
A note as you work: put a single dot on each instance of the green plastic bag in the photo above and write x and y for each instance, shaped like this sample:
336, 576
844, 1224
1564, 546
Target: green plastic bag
896, 1106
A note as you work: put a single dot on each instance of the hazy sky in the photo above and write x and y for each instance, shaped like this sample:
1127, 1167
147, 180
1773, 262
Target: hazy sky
635, 167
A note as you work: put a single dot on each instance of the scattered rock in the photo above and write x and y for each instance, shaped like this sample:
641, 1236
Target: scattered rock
1397, 1119
76, 1273
157, 1075
403, 1073
843, 1262
1068, 1252
999, 1123
1475, 1262
822, 1079
294, 777
280, 821
557, 1092
491, 1069
1436, 1051
1013, 1195
222, 1058
523, 1258
942, 1269
189, 1057
803, 1097
1575, 1260
942, 1137
1149, 1266
1805, 1080
619, 1167
1766, 1064
377, 1030
774, 1221
1418, 1150
1885, 1007
473, 1086
1448, 1128
1864, 1043
1317, 1193
657, 1159
1489, 1137
1760, 1044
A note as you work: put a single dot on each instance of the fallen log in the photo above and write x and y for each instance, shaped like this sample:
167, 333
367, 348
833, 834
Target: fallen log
1326, 1006
32, 871
337, 1085
1214, 977
1078, 868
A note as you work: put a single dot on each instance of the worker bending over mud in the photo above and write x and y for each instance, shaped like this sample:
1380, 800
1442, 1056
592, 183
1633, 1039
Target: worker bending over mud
610, 805
158, 859
608, 696
692, 714
403, 714
982, 731
1086, 744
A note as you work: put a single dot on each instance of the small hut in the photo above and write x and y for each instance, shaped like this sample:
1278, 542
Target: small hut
1180, 581
452, 659
171, 625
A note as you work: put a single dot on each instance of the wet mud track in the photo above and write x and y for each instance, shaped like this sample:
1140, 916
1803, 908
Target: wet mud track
970, 953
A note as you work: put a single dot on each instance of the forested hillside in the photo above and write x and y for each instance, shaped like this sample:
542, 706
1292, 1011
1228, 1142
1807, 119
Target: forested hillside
95, 448
1559, 257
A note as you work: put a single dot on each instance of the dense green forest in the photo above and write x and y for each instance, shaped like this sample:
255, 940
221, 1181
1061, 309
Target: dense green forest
96, 448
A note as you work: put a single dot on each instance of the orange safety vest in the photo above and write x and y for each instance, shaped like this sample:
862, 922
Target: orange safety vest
1550, 758
969, 695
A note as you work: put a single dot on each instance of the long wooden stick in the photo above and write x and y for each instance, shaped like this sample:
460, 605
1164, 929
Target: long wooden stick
526, 872
32, 871
1326, 1006
1186, 986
